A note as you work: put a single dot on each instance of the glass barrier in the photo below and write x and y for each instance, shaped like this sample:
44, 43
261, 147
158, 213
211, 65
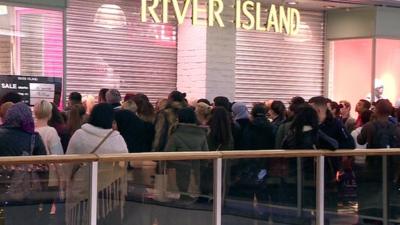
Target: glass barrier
156, 192
42, 194
269, 191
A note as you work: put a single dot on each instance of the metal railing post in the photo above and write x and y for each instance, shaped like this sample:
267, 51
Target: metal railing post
299, 186
94, 169
320, 190
385, 200
218, 191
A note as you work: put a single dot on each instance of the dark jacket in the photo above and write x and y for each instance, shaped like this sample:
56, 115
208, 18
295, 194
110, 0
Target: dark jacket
369, 134
310, 139
187, 137
335, 129
13, 142
239, 126
258, 135
213, 146
137, 134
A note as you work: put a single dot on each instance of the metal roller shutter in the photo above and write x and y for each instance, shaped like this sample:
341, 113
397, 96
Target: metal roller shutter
275, 66
109, 47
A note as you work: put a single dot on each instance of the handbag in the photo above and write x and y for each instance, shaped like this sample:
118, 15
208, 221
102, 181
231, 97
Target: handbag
76, 168
24, 180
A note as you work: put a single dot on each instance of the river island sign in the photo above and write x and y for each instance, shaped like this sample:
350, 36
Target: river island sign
248, 14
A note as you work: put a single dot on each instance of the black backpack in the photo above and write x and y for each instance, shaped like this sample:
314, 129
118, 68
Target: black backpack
385, 136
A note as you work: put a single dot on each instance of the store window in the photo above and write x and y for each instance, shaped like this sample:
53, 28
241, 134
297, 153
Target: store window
350, 70
31, 45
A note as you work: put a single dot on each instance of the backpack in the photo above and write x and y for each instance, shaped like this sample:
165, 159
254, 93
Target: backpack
385, 135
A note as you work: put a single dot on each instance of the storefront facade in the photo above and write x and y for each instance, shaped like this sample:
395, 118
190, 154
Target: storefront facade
96, 44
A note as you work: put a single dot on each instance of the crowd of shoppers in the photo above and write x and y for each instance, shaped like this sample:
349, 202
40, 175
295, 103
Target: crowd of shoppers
135, 125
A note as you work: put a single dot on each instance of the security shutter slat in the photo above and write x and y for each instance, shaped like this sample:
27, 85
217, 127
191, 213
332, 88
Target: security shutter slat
132, 56
275, 66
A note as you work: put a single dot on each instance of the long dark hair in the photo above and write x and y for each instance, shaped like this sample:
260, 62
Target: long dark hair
306, 116
102, 116
75, 118
56, 117
220, 126
145, 108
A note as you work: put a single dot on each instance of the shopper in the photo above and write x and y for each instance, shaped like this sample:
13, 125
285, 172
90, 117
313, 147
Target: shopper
203, 113
347, 120
145, 109
187, 136
76, 119
137, 133
113, 97
102, 95
296, 103
259, 134
277, 113
166, 119
220, 136
223, 102
241, 118
97, 136
18, 138
3, 110
57, 122
362, 105
365, 118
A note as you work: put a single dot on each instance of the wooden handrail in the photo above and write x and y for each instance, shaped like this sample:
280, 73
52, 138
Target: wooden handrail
170, 156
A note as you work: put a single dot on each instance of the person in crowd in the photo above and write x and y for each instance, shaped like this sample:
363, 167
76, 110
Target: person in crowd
381, 132
294, 105
203, 113
203, 100
18, 138
334, 129
74, 98
49, 135
331, 126
76, 118
305, 133
137, 133
220, 136
365, 118
224, 102
166, 119
102, 95
187, 136
362, 105
97, 136
335, 108
52, 143
113, 97
277, 113
89, 102
57, 122
12, 96
145, 109
241, 118
161, 104
3, 110
259, 134
129, 105
347, 120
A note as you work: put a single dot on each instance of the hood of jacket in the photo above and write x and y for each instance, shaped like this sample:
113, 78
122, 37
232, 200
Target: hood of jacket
97, 131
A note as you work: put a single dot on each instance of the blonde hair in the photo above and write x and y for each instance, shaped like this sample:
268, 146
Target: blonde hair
130, 105
4, 108
43, 110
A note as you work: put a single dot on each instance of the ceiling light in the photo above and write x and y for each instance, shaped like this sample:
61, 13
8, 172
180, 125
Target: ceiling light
110, 16
292, 3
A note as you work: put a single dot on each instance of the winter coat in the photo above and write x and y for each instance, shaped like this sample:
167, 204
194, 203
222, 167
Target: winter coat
164, 124
137, 133
113, 175
14, 141
258, 135
187, 137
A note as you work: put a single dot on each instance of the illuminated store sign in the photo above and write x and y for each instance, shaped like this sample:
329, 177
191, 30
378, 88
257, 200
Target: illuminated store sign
248, 14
